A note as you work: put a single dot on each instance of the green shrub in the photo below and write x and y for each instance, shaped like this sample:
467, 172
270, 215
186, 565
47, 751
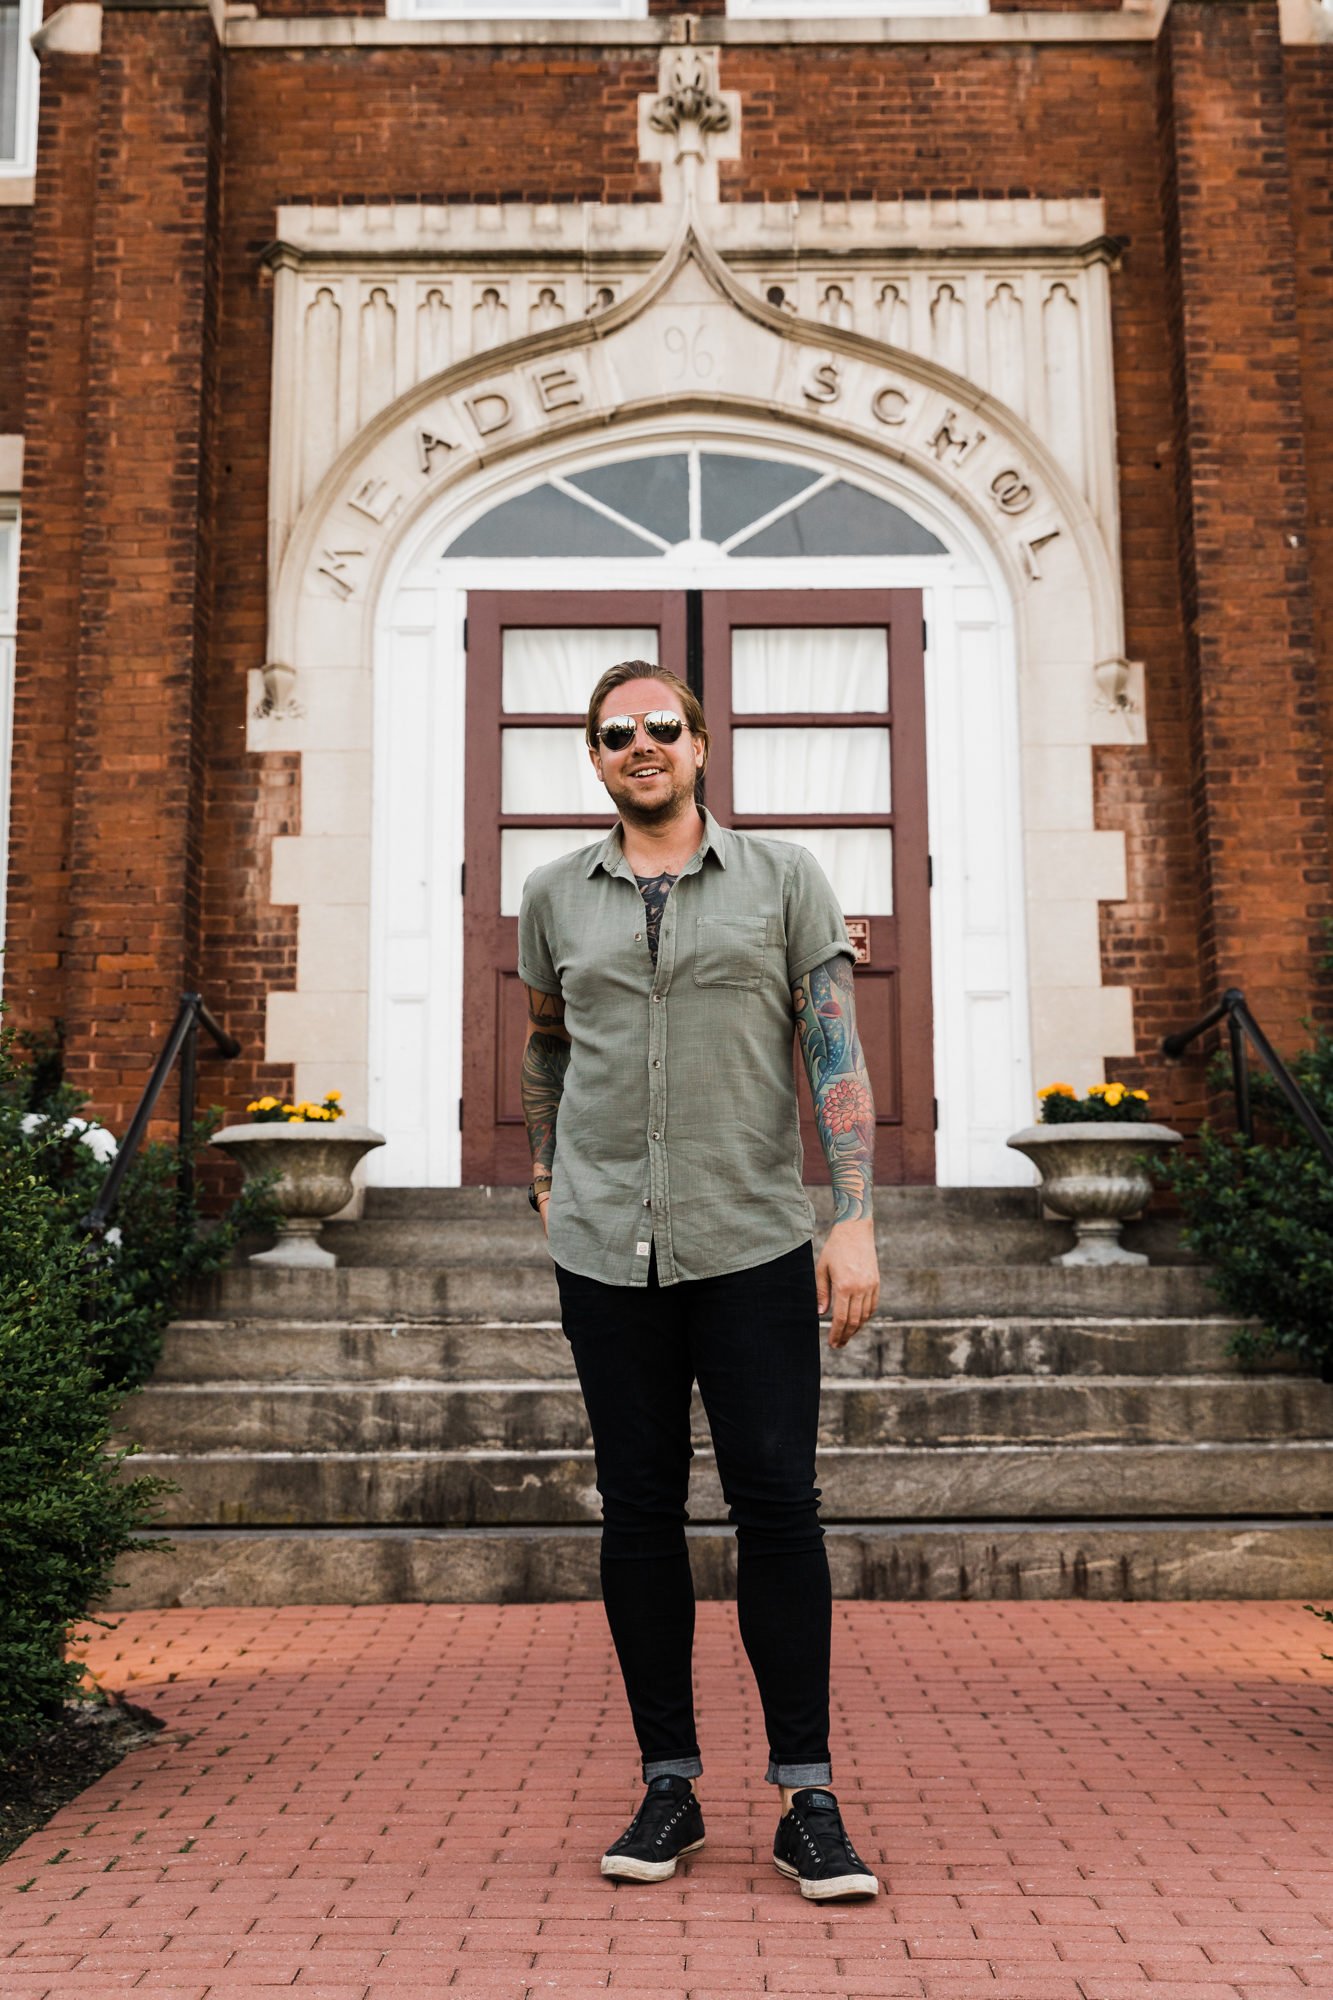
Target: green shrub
1261, 1216
66, 1509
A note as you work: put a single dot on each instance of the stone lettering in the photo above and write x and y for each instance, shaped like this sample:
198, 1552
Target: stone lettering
1012, 493
825, 384
557, 389
428, 443
334, 568
689, 352
489, 411
959, 442
1030, 548
890, 405
376, 499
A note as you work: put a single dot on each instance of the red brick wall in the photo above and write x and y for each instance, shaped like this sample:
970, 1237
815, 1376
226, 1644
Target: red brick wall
1309, 103
15, 281
519, 123
1257, 783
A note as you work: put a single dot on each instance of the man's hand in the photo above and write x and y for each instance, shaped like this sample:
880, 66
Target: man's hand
847, 1278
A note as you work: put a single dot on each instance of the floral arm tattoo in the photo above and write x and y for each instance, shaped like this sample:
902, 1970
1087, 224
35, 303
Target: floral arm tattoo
844, 1107
545, 1060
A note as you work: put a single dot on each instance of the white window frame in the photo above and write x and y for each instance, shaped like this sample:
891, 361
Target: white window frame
517, 10
844, 10
9, 591
24, 158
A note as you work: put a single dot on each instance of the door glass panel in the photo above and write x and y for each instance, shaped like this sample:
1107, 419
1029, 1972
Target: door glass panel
858, 861
547, 771
546, 522
843, 521
735, 491
655, 492
810, 771
523, 848
552, 670
811, 668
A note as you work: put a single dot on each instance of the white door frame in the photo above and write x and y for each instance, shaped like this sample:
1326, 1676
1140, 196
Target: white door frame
978, 942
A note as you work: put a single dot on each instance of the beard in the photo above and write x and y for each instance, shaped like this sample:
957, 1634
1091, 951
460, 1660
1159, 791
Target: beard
673, 804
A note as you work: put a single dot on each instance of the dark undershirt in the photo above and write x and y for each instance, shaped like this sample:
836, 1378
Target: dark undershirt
654, 889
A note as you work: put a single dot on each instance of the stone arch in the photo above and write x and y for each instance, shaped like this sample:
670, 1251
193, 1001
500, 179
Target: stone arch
691, 339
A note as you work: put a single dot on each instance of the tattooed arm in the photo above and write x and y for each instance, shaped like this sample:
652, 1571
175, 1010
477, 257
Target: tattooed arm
545, 1060
847, 1273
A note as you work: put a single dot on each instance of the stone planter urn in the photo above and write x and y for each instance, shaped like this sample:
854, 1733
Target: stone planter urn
314, 1163
1091, 1174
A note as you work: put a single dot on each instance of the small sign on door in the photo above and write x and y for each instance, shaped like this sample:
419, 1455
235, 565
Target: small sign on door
858, 930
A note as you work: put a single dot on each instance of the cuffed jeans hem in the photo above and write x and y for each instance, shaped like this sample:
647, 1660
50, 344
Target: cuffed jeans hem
672, 1767
796, 1775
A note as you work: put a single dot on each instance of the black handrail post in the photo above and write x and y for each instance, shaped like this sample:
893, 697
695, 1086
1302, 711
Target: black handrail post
185, 1128
1240, 1076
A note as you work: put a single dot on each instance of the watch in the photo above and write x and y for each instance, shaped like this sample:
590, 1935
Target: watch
532, 1194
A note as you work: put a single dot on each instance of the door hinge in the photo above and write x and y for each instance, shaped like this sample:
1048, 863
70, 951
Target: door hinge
462, 879
465, 635
925, 636
930, 871
460, 1114
935, 1112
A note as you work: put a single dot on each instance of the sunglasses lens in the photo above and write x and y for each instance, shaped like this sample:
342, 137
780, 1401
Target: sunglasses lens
663, 726
618, 732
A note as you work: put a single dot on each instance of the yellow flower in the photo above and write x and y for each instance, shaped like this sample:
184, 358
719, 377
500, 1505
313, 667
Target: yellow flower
1098, 1089
1114, 1093
1142, 1095
334, 1097
1056, 1090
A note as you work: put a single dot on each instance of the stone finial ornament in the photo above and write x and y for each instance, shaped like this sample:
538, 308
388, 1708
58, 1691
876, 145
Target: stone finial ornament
689, 104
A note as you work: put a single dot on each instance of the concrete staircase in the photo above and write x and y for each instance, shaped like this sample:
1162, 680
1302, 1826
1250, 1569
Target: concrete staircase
408, 1426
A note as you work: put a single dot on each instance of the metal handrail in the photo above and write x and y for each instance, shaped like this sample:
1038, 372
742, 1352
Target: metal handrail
183, 1040
1240, 1025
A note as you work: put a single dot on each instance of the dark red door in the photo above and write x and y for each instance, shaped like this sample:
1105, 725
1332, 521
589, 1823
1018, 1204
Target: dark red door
816, 706
533, 658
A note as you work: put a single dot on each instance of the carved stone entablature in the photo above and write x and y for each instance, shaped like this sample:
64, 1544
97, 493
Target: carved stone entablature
1011, 295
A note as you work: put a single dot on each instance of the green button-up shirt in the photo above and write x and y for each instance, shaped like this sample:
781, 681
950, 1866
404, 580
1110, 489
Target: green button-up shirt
678, 1125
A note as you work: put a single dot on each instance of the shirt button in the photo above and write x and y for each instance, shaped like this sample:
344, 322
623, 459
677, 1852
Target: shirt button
647, 1201
638, 937
657, 1135
656, 1063
656, 997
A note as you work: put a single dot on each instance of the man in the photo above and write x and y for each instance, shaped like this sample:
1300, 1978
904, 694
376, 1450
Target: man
667, 969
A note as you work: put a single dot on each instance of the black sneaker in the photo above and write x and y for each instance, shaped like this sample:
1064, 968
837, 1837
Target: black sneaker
811, 1846
669, 1823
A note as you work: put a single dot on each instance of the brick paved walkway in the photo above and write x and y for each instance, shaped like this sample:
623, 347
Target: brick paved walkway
1066, 1802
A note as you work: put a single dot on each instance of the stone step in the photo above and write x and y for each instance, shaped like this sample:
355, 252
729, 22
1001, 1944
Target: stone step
408, 1415
884, 1483
1111, 1559
311, 1351
517, 1293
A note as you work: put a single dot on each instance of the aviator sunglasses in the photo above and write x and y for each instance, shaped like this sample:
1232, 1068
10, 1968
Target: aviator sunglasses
617, 732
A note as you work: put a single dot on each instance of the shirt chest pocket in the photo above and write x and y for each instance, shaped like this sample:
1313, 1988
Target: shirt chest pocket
729, 951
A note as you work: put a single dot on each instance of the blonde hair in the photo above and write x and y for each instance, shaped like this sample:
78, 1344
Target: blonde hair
644, 670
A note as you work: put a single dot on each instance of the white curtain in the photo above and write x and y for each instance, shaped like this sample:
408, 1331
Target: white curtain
552, 670
816, 669
810, 770
858, 861
523, 848
548, 771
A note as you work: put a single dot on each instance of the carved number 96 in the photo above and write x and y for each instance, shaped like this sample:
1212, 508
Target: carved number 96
691, 355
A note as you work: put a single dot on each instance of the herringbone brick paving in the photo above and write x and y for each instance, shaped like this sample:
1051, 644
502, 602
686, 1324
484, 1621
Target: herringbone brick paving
1066, 1801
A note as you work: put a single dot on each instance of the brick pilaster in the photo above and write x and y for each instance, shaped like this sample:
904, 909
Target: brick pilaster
37, 911
134, 851
1257, 762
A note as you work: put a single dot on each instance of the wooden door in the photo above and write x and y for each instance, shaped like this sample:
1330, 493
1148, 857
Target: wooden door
533, 658
816, 704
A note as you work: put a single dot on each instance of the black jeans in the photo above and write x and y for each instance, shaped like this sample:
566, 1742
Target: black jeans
751, 1340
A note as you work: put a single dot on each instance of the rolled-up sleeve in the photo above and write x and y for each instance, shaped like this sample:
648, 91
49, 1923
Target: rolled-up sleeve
814, 924
535, 966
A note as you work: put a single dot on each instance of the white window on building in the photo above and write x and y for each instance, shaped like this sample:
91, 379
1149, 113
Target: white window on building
842, 10
518, 10
9, 580
19, 20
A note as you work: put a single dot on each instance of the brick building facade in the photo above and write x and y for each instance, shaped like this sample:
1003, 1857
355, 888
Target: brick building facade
345, 351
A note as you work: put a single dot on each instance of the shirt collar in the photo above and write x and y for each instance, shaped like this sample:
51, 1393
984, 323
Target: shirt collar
716, 841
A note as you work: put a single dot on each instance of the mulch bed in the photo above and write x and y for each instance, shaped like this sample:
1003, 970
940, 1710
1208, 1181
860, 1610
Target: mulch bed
89, 1740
